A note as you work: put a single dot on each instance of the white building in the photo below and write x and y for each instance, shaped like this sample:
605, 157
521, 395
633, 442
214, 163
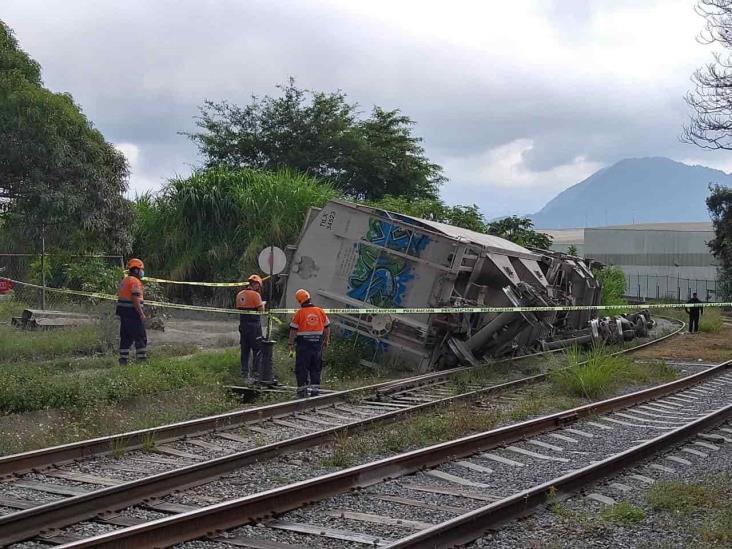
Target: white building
660, 260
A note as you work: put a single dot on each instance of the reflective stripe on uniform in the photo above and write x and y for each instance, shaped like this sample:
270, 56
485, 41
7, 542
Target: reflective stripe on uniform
311, 333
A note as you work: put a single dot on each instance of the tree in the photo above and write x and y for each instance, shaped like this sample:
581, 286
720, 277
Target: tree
433, 209
711, 125
322, 135
521, 231
719, 203
58, 175
572, 250
516, 229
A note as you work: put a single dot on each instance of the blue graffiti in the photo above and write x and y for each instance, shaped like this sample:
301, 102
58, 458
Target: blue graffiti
382, 279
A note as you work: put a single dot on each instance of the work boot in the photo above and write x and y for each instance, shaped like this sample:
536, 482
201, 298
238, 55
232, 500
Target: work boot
302, 392
314, 390
123, 362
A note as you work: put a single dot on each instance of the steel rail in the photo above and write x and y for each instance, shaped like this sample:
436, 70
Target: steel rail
256, 507
57, 455
470, 526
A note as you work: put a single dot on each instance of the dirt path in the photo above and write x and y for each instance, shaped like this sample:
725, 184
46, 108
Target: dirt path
707, 347
203, 333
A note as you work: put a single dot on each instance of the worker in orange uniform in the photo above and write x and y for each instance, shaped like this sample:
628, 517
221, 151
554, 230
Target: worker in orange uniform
131, 315
250, 328
310, 335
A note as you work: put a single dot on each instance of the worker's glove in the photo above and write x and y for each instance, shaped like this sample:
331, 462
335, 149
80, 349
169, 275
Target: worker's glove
292, 352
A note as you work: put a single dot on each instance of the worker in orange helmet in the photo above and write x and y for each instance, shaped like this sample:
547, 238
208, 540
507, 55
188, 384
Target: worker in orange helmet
310, 335
130, 302
250, 328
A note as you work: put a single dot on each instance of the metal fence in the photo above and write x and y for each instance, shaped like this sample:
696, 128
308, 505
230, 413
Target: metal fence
645, 286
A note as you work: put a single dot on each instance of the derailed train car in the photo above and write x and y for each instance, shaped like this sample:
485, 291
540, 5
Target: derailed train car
354, 256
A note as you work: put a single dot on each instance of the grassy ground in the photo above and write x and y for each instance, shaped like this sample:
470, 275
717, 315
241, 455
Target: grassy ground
707, 346
31, 387
702, 508
20, 345
603, 373
50, 427
710, 497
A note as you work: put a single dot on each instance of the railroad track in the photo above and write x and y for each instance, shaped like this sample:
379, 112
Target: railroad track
55, 487
451, 493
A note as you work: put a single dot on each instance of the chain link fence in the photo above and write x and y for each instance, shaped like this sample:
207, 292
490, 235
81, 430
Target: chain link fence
646, 286
39, 306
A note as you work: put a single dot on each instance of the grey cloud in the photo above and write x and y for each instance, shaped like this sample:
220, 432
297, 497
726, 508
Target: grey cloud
140, 69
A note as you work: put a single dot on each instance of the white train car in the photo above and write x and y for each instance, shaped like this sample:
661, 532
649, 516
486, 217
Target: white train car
353, 256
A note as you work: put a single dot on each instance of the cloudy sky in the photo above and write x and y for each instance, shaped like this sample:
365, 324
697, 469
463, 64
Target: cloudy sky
517, 100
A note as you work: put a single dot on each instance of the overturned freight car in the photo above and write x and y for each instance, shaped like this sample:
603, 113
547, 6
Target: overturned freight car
354, 256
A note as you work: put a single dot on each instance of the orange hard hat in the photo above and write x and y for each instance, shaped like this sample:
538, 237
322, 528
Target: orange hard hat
302, 296
255, 278
135, 263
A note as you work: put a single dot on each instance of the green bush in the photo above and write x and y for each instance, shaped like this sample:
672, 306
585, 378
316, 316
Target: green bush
603, 373
89, 274
612, 281
623, 513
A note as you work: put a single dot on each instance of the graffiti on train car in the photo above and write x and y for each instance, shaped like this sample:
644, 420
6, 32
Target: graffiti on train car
382, 278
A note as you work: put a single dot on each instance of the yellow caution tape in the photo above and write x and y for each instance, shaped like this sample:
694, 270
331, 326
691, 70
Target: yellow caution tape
194, 283
208, 284
398, 311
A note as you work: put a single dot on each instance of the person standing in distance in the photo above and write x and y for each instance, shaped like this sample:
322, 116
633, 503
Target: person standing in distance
250, 329
694, 314
131, 315
310, 335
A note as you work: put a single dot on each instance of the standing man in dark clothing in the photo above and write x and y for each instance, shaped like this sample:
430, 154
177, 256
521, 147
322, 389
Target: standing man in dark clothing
130, 313
694, 314
310, 330
250, 329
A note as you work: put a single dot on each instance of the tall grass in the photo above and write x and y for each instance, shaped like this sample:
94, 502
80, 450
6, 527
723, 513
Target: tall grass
711, 320
33, 388
612, 281
603, 373
20, 345
212, 225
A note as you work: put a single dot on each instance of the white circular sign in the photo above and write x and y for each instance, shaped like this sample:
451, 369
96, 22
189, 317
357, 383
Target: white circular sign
272, 260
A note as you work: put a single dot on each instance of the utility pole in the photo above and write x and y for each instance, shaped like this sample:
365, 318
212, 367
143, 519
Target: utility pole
43, 266
270, 287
